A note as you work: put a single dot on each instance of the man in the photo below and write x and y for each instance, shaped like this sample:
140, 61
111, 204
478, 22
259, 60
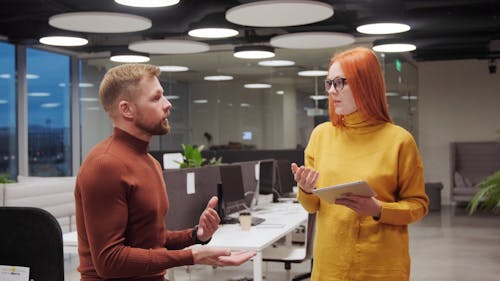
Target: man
120, 194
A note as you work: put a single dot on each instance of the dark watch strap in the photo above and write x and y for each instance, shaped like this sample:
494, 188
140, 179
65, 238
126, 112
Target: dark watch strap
194, 234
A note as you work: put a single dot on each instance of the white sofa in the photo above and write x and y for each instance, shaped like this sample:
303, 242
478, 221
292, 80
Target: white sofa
53, 194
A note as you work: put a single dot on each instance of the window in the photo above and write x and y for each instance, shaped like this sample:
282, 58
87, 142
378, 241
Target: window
8, 132
49, 134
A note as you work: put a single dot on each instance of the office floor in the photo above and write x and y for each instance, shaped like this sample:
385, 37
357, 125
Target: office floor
445, 246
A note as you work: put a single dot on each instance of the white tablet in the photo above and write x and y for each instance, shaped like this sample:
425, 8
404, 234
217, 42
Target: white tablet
331, 193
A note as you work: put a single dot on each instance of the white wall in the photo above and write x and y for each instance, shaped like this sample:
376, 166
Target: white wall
458, 101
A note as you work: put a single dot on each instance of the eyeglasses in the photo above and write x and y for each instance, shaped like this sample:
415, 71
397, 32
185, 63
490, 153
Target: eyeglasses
337, 83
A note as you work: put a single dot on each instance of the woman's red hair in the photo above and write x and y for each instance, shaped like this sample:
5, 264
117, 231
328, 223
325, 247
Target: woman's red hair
364, 77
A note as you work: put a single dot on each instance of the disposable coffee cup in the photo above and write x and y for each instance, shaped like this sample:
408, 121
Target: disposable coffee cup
245, 220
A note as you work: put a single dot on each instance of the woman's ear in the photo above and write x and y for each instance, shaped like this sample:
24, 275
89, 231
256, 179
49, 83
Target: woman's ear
126, 109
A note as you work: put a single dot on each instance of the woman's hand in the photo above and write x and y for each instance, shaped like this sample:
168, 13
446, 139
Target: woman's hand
306, 178
366, 206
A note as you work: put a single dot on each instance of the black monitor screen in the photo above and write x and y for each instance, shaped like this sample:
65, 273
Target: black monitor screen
285, 177
232, 191
267, 179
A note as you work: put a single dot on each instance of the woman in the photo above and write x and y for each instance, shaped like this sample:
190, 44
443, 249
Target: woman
361, 238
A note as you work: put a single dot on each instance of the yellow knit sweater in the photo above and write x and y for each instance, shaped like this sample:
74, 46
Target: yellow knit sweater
350, 247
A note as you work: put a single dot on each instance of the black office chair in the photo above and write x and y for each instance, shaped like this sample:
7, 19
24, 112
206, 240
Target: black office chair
32, 237
295, 253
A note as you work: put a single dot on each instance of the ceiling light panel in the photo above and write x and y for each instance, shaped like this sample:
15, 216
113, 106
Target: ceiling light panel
257, 86
276, 63
312, 40
129, 58
169, 46
394, 48
173, 68
218, 78
213, 32
254, 52
383, 28
66, 41
147, 3
275, 13
100, 22
313, 73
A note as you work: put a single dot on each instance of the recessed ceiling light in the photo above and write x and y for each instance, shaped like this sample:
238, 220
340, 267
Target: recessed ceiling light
50, 104
383, 28
394, 48
38, 94
313, 73
218, 78
100, 22
169, 46
129, 58
276, 13
147, 3
253, 52
213, 32
172, 97
200, 101
280, 92
391, 94
257, 86
32, 76
276, 63
89, 99
85, 85
409, 97
5, 76
244, 104
312, 40
318, 97
173, 68
67, 41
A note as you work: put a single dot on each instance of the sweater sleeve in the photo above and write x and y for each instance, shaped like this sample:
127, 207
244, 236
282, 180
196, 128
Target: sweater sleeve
310, 202
411, 201
103, 193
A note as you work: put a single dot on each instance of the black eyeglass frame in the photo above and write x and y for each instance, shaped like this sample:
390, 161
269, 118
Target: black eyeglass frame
337, 83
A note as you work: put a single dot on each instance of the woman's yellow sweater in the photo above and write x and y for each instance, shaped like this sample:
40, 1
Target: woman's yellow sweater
348, 246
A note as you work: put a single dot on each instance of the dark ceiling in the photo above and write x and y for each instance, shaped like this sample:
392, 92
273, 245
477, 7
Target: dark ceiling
441, 29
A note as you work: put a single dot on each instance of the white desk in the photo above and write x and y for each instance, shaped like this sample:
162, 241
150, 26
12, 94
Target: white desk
281, 219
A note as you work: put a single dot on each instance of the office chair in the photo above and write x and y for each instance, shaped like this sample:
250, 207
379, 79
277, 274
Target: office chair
289, 254
32, 237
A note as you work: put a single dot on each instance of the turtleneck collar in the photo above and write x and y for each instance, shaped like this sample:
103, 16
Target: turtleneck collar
136, 144
357, 120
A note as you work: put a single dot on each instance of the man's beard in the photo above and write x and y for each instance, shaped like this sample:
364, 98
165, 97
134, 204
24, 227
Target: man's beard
160, 128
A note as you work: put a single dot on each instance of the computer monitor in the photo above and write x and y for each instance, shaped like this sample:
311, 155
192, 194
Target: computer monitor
267, 176
285, 181
230, 191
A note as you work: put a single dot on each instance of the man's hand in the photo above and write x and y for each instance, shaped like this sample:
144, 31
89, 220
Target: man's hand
209, 221
306, 178
220, 257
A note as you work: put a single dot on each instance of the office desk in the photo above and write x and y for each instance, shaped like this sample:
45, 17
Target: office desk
281, 220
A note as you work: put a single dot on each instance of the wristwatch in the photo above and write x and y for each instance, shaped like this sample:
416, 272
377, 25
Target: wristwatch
194, 234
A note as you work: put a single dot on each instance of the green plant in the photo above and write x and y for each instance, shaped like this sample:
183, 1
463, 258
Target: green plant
4, 178
192, 157
488, 196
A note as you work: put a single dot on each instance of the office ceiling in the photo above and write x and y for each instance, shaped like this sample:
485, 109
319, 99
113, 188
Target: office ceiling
441, 29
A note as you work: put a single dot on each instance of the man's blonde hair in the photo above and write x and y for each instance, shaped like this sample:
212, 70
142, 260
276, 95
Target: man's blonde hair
122, 82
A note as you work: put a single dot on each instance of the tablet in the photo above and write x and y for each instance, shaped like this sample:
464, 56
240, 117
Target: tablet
331, 193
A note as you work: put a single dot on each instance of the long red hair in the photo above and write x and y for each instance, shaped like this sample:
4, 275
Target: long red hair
364, 77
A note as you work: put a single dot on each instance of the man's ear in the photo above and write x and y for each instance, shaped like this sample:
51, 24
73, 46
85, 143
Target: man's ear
126, 109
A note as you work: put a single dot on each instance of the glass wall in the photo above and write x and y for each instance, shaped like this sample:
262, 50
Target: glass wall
49, 134
8, 132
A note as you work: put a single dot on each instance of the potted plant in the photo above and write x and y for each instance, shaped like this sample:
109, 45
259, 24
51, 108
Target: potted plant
192, 157
488, 196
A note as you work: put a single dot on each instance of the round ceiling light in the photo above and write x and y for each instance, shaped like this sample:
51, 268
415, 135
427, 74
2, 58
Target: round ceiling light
383, 28
290, 13
213, 32
147, 3
173, 68
257, 86
313, 73
66, 41
394, 48
312, 40
100, 22
276, 63
218, 78
129, 58
253, 52
318, 97
169, 46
